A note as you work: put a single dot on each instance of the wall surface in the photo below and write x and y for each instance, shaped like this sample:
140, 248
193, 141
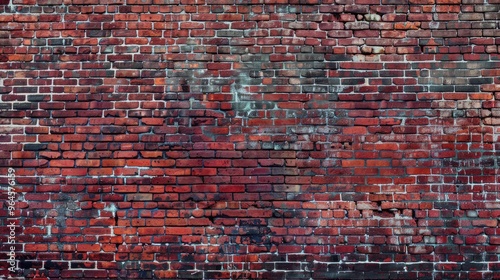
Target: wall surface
250, 139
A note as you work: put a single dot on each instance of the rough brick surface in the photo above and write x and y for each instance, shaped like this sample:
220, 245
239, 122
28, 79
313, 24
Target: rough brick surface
235, 139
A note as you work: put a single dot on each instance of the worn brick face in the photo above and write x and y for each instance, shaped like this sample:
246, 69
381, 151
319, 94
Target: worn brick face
249, 140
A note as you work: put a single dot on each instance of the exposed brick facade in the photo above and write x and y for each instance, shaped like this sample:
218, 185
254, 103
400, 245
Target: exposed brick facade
238, 139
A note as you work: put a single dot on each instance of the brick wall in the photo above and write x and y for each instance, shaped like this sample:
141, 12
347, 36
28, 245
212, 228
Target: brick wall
238, 139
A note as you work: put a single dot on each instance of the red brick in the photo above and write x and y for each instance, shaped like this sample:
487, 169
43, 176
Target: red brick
232, 188
178, 231
355, 130
87, 163
217, 163
88, 247
204, 171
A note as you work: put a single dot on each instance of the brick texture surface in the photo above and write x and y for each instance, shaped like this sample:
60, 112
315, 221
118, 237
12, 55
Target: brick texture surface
251, 139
